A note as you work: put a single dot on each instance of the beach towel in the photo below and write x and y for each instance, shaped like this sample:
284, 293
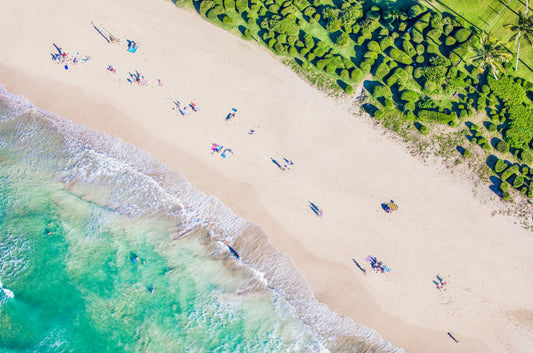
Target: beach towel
369, 258
386, 269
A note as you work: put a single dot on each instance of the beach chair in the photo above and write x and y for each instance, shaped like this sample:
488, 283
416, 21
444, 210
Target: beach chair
226, 152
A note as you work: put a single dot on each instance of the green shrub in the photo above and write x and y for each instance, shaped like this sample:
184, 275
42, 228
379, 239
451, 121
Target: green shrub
467, 153
365, 67
417, 36
386, 42
420, 25
416, 10
431, 115
423, 129
430, 87
504, 186
229, 5
434, 35
481, 104
348, 89
447, 29
486, 147
212, 15
450, 41
402, 26
490, 126
518, 181
524, 170
274, 8
410, 106
279, 48
409, 96
345, 74
288, 12
382, 71
474, 141
309, 11
267, 36
370, 54
432, 49
408, 48
373, 46
241, 5
356, 74
293, 51
342, 40
206, 6
379, 114
321, 64
282, 38
506, 196
382, 91
462, 35
527, 156
400, 56
419, 59
509, 172
436, 20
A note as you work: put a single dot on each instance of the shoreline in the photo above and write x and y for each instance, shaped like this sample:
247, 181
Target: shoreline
182, 144
367, 309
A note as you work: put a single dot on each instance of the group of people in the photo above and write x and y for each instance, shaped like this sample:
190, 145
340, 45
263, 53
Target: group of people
440, 283
184, 108
231, 114
137, 78
65, 59
135, 259
215, 147
376, 265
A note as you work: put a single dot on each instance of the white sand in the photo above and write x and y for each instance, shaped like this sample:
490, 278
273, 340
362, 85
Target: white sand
342, 163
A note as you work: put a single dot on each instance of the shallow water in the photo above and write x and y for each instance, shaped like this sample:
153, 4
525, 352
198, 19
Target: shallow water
106, 250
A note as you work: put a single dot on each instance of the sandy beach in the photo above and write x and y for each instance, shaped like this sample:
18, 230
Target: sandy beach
342, 163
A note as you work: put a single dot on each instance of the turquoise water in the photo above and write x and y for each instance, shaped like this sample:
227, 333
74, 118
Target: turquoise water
106, 250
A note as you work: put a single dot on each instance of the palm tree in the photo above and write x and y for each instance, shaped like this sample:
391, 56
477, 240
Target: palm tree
522, 28
490, 53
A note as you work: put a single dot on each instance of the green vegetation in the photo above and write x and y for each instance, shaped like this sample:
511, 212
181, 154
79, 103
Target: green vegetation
490, 16
428, 74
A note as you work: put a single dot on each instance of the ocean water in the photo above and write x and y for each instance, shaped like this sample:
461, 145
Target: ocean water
107, 250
